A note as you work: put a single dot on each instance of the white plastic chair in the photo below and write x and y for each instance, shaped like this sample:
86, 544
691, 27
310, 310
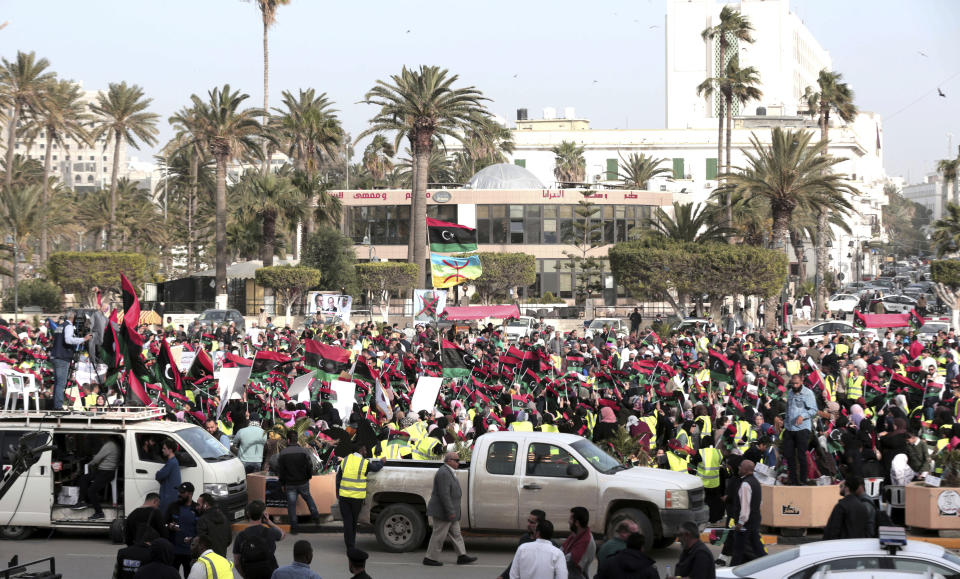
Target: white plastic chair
20, 386
113, 483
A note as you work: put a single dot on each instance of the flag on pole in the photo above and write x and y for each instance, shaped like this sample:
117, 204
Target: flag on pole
451, 271
721, 368
455, 360
328, 361
266, 360
916, 322
450, 237
167, 372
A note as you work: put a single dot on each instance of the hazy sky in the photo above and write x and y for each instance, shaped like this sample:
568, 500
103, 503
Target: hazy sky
520, 54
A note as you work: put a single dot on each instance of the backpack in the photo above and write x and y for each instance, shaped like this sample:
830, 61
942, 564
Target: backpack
254, 548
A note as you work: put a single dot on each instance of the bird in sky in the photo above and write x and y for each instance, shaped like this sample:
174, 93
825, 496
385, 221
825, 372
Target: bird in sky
408, 31
941, 93
516, 75
922, 53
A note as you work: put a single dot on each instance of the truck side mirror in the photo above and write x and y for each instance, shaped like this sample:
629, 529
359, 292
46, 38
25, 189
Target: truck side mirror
576, 471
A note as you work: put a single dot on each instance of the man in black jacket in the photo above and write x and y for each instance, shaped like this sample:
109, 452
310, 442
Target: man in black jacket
632, 562
746, 533
295, 469
214, 524
696, 561
132, 557
850, 518
147, 515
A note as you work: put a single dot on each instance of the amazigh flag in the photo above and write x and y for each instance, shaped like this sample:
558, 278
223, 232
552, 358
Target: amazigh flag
455, 360
328, 361
916, 322
266, 360
721, 368
451, 271
450, 237
167, 371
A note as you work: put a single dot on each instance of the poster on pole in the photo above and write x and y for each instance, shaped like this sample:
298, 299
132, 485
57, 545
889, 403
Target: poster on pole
428, 304
425, 394
300, 389
231, 382
346, 395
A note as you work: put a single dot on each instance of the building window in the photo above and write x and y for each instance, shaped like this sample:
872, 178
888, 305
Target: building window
92, 158
516, 224
678, 168
78, 179
483, 224
517, 162
104, 157
711, 169
89, 178
54, 157
613, 170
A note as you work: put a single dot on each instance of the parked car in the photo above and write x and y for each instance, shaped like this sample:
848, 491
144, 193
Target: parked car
516, 328
692, 324
511, 473
822, 329
620, 327
897, 304
931, 329
825, 558
219, 317
844, 303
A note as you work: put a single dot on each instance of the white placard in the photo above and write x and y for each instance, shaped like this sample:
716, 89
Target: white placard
186, 360
932, 481
346, 395
425, 394
300, 389
231, 380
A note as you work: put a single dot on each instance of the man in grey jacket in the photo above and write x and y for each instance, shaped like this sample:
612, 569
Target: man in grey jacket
101, 470
444, 512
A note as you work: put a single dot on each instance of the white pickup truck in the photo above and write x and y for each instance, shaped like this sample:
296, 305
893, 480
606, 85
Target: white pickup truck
512, 473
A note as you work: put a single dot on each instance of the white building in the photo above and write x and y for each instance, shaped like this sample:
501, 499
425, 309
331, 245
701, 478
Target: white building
931, 193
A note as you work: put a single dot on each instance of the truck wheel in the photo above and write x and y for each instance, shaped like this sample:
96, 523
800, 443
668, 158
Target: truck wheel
400, 528
117, 528
637, 516
15, 532
663, 542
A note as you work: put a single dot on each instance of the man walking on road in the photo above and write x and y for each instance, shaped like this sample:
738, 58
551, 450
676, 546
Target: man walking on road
444, 512
295, 469
747, 545
579, 547
696, 561
213, 524
540, 558
249, 442
352, 490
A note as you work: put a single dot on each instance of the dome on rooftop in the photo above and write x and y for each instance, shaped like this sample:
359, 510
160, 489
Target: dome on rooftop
504, 176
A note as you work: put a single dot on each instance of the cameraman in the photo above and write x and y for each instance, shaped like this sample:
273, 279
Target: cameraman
64, 346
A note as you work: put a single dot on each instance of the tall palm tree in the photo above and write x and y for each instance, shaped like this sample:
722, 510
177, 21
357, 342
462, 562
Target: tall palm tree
20, 214
738, 86
789, 173
122, 119
189, 141
570, 166
638, 169
378, 158
486, 143
439, 169
268, 11
693, 223
229, 132
327, 209
23, 86
733, 26
946, 231
832, 95
267, 198
949, 169
419, 105
61, 118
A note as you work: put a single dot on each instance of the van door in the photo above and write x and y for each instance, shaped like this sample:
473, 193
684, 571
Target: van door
494, 498
20, 507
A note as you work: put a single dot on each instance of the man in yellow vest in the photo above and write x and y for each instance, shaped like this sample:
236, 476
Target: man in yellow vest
352, 490
854, 385
677, 458
208, 565
427, 448
708, 470
395, 447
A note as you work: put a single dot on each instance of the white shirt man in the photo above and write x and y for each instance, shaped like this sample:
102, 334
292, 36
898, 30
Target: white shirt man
539, 559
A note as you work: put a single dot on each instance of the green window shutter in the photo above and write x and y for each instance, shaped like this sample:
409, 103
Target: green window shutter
520, 163
613, 170
711, 168
678, 168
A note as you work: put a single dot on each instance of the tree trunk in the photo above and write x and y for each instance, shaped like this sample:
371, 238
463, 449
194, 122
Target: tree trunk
266, 94
781, 227
192, 207
729, 120
420, 214
950, 299
309, 223
11, 142
111, 237
221, 233
269, 237
823, 225
45, 199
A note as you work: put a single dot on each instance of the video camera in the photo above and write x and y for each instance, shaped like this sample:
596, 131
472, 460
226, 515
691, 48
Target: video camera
81, 323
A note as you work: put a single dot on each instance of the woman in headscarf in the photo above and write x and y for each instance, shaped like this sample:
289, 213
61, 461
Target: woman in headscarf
607, 427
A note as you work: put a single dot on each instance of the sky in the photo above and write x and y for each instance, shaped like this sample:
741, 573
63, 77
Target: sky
605, 57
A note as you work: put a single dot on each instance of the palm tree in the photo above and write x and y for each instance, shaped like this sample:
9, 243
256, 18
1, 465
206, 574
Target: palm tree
23, 86
738, 86
229, 132
327, 209
486, 144
419, 105
949, 169
570, 166
733, 26
439, 169
692, 223
122, 118
637, 170
62, 118
946, 231
788, 174
833, 96
20, 214
267, 198
189, 141
268, 10
378, 158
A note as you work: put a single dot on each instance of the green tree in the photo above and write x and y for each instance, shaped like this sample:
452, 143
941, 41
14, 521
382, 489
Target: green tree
24, 83
383, 279
21, 216
949, 169
689, 223
138, 225
61, 118
486, 143
503, 272
332, 252
36, 292
288, 282
268, 12
327, 209
378, 159
738, 86
439, 169
267, 198
585, 234
77, 272
789, 173
419, 105
189, 144
638, 169
570, 167
122, 119
230, 132
832, 96
946, 231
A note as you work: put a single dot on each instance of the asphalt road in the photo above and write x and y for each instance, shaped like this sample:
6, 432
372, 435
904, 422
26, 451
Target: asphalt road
83, 556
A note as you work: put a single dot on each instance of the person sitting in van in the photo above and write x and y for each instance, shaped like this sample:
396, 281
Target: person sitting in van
100, 471
169, 475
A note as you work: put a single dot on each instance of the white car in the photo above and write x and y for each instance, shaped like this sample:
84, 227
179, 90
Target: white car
516, 328
823, 558
931, 329
898, 304
616, 325
844, 303
822, 329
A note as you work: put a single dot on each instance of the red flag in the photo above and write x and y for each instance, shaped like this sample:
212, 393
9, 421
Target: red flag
131, 311
136, 388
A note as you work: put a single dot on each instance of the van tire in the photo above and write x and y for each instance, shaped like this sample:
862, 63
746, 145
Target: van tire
663, 542
117, 528
637, 516
400, 528
15, 532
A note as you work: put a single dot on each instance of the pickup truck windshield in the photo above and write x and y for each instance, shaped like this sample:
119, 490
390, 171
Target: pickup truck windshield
208, 447
596, 457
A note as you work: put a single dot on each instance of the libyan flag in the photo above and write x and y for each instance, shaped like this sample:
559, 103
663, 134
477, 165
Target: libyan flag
915, 321
451, 271
328, 361
266, 360
456, 361
450, 237
721, 368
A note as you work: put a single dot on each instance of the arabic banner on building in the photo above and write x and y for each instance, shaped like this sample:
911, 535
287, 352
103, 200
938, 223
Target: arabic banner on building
428, 304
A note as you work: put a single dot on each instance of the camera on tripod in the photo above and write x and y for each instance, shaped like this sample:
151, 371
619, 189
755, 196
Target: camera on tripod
81, 323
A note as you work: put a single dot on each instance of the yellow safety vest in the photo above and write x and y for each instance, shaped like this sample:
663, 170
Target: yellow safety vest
90, 400
394, 450
831, 387
745, 430
591, 420
522, 426
353, 480
841, 349
793, 367
423, 450
417, 430
228, 430
706, 428
677, 463
703, 376
683, 438
217, 567
651, 422
709, 468
942, 366
855, 388
549, 428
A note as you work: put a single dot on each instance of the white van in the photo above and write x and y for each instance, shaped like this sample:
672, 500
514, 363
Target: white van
31, 501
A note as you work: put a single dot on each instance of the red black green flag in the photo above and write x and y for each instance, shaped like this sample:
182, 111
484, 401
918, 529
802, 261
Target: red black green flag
365, 371
915, 320
201, 367
266, 360
721, 367
450, 237
168, 373
455, 360
859, 320
328, 361
231, 360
